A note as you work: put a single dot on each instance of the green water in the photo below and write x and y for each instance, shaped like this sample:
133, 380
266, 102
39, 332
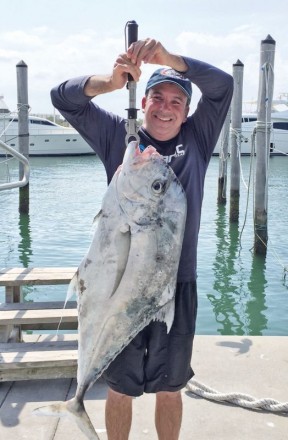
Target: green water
239, 293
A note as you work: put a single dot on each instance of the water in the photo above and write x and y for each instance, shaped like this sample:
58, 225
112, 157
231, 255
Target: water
239, 293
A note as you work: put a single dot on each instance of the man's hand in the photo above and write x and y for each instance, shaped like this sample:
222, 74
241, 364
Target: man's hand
147, 51
100, 84
122, 67
150, 51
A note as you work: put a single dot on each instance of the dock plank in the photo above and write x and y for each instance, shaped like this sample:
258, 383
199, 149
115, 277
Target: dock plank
38, 305
37, 373
38, 316
39, 275
40, 359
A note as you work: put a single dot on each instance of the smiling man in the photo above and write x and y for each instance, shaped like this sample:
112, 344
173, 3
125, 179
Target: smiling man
156, 362
166, 104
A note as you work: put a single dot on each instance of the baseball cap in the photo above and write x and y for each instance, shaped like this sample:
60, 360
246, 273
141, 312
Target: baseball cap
170, 75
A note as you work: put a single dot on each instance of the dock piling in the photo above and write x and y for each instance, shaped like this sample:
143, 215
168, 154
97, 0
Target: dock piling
263, 129
236, 127
223, 159
23, 130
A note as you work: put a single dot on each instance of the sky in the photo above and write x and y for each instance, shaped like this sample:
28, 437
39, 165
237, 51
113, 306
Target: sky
66, 38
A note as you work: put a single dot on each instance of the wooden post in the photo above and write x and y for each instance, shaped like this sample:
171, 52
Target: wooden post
223, 159
263, 128
23, 130
236, 123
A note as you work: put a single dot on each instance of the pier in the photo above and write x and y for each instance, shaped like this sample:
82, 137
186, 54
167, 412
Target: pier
25, 356
252, 365
33, 376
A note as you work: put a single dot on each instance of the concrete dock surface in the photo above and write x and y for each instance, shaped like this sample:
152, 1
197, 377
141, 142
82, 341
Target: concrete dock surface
254, 365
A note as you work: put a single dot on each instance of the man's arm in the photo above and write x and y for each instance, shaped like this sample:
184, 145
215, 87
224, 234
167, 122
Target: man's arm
148, 51
99, 84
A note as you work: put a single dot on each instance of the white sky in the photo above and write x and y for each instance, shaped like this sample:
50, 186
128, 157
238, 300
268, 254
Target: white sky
65, 38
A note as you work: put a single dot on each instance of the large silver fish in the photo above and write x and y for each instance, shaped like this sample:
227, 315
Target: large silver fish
128, 277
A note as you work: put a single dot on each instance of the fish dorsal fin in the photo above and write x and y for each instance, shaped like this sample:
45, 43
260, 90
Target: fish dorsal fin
97, 217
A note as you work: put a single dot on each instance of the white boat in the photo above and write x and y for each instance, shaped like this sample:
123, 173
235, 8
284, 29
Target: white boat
279, 129
46, 138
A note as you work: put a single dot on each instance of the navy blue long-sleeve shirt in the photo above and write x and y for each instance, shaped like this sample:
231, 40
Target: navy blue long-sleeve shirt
188, 153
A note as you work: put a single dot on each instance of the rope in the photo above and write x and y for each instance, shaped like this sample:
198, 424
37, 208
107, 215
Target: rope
283, 153
243, 400
248, 187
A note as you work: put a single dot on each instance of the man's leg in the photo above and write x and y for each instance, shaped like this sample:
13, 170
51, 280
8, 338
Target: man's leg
168, 415
118, 415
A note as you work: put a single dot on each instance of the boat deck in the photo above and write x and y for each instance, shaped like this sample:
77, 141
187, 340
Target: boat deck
251, 365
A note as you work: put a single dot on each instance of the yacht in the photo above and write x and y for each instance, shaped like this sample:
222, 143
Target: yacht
46, 138
279, 129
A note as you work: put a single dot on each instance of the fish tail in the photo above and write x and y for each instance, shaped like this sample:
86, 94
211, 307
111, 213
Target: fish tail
75, 410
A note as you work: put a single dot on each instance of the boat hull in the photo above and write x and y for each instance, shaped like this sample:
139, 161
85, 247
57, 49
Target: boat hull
51, 143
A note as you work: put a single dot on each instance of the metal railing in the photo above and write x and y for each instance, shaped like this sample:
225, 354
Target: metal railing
26, 168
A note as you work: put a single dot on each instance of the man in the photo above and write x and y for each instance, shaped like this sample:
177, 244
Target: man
155, 362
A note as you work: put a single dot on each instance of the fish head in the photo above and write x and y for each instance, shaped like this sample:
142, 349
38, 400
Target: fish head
147, 186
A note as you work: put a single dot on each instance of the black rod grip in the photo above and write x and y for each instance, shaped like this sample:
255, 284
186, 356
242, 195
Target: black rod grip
132, 36
132, 29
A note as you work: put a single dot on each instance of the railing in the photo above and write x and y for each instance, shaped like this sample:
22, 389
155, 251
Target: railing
26, 168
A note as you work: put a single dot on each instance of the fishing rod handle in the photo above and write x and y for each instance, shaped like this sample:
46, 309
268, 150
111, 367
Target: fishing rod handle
132, 36
132, 29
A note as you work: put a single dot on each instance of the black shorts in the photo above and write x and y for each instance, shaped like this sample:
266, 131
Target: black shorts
154, 360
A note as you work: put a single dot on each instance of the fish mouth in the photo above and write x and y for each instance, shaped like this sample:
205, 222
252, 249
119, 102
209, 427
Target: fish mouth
146, 153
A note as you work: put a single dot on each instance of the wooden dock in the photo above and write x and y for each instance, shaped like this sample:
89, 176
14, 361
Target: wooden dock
254, 365
47, 356
39, 369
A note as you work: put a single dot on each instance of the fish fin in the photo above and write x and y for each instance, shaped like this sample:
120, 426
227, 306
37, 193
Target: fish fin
72, 288
166, 314
75, 410
96, 218
123, 243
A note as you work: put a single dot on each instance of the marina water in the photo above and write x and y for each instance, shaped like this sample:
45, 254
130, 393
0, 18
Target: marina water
239, 293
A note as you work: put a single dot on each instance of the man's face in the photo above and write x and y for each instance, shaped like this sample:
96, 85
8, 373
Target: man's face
165, 109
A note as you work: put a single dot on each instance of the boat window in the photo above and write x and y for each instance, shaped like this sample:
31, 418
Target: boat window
280, 125
67, 140
249, 119
35, 121
46, 140
41, 122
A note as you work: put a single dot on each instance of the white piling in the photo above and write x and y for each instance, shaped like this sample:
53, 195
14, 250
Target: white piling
23, 130
223, 159
235, 137
263, 129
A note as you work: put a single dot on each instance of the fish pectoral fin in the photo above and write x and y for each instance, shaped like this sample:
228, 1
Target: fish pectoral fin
75, 410
123, 244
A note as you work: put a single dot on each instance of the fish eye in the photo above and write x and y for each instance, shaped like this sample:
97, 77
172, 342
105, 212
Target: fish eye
158, 187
